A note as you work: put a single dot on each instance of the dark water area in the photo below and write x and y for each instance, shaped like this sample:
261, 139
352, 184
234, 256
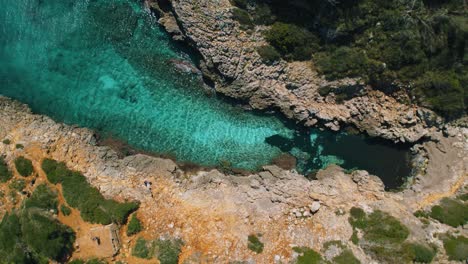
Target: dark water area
108, 66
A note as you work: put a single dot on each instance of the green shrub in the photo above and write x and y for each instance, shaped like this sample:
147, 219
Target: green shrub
255, 244
42, 197
456, 248
24, 166
17, 185
79, 194
343, 62
6, 141
239, 3
307, 256
66, 211
450, 212
141, 249
243, 18
55, 171
5, 173
291, 41
134, 226
422, 253
168, 251
19, 146
268, 54
346, 257
262, 15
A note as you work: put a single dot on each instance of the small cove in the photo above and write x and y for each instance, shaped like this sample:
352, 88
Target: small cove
107, 65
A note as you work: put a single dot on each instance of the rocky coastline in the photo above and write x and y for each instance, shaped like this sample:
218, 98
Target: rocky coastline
231, 63
286, 208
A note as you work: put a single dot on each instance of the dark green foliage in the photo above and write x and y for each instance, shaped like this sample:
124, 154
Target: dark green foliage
243, 17
268, 54
55, 171
66, 211
17, 185
24, 166
168, 251
422, 253
307, 256
42, 197
5, 173
451, 212
239, 3
88, 200
141, 249
343, 62
46, 236
383, 228
291, 41
6, 141
463, 197
19, 146
262, 15
255, 244
134, 226
456, 248
77, 261
91, 261
421, 214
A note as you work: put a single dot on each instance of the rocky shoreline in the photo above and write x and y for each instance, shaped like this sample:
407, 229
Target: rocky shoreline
230, 61
282, 205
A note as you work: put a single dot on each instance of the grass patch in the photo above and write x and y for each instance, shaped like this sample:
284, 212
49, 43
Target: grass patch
456, 248
79, 194
24, 166
5, 173
17, 185
451, 212
422, 253
134, 226
346, 257
255, 244
42, 197
142, 249
307, 256
168, 251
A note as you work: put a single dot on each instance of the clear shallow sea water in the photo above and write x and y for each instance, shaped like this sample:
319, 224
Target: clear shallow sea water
106, 65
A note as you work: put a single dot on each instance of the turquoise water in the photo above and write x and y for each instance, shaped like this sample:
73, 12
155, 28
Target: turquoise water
106, 65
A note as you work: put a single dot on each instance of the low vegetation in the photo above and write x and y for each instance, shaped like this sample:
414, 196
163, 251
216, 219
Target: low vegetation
385, 238
32, 234
17, 185
166, 250
268, 54
134, 226
88, 200
243, 17
255, 244
346, 256
456, 247
6, 141
66, 211
307, 256
5, 173
451, 212
24, 166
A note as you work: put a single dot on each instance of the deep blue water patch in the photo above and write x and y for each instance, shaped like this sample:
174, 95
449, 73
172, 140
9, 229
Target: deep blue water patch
106, 65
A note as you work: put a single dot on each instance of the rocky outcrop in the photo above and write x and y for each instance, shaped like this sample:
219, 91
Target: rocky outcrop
231, 61
215, 212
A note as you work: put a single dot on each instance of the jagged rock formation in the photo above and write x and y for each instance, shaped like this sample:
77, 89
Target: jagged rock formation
231, 61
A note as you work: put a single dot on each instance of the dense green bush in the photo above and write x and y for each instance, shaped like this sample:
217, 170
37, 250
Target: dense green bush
134, 226
168, 250
307, 256
239, 3
24, 166
88, 200
451, 212
5, 173
6, 141
422, 253
66, 211
255, 244
19, 146
291, 41
268, 54
42, 197
456, 248
346, 257
243, 17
